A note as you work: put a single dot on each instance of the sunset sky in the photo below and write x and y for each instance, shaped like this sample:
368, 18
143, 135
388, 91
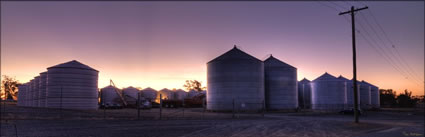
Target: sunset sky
162, 44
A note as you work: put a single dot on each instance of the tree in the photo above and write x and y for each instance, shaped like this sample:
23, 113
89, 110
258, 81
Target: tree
388, 97
405, 99
9, 87
194, 85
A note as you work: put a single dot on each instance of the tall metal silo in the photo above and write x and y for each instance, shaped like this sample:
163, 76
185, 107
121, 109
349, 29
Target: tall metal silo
110, 97
32, 90
350, 92
72, 85
166, 94
130, 95
304, 93
192, 93
36, 92
149, 94
22, 94
328, 93
365, 97
180, 94
235, 81
280, 85
374, 95
29, 93
42, 89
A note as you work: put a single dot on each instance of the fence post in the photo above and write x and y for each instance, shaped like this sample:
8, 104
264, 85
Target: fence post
138, 105
203, 106
263, 108
61, 116
233, 108
16, 131
103, 103
160, 106
183, 107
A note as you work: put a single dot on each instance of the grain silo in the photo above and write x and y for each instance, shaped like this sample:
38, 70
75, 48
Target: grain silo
328, 93
166, 94
22, 89
304, 93
36, 92
42, 89
72, 85
28, 101
109, 97
235, 78
350, 92
192, 93
130, 95
365, 100
280, 85
149, 94
180, 94
374, 95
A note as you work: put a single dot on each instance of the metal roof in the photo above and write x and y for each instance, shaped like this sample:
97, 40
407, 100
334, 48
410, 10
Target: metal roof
73, 64
325, 77
148, 89
234, 53
272, 61
343, 78
304, 80
369, 84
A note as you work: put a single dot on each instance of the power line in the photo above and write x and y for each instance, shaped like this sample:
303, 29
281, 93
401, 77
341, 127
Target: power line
398, 58
392, 43
328, 6
381, 52
385, 47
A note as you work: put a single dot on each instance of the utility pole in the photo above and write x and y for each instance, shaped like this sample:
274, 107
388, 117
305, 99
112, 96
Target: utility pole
353, 33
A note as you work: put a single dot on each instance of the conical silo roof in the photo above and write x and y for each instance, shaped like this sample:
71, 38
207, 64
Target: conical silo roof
274, 62
369, 84
73, 64
304, 80
148, 89
325, 77
234, 54
343, 78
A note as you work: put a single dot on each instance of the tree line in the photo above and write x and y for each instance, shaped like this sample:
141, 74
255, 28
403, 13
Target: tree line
389, 98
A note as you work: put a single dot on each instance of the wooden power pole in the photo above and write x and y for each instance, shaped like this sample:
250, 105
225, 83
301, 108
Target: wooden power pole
353, 33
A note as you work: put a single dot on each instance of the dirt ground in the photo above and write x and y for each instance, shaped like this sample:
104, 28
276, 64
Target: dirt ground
18, 121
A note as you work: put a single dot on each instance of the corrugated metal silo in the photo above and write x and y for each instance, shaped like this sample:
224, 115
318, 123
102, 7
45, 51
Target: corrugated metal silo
350, 94
304, 93
280, 85
110, 96
42, 89
149, 94
166, 94
192, 93
130, 95
328, 93
235, 78
375, 96
36, 92
365, 100
72, 85
180, 94
29, 95
22, 94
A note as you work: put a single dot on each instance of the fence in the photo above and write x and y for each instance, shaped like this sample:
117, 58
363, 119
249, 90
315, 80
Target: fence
162, 110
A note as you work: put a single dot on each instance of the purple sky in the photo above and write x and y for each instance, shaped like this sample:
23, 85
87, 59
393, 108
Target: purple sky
162, 44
